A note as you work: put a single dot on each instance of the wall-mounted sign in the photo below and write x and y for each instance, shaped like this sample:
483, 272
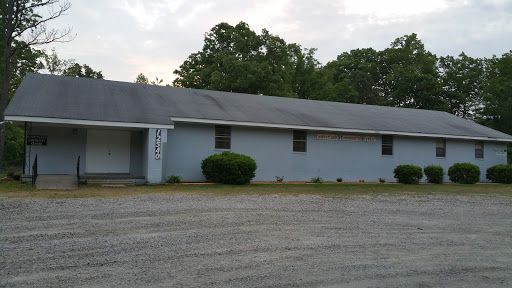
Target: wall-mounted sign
36, 140
350, 138
369, 139
501, 152
158, 144
326, 137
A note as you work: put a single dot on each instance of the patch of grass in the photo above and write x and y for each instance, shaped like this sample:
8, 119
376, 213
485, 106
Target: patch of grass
10, 189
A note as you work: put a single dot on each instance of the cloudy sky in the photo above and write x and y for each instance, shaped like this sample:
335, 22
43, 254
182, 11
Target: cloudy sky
123, 38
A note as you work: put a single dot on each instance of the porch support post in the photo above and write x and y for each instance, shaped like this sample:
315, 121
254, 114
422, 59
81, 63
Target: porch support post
157, 141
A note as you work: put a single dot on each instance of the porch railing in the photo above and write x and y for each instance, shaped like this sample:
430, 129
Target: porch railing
78, 170
34, 172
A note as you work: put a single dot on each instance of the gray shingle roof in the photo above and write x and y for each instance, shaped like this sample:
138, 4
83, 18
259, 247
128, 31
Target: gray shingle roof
52, 96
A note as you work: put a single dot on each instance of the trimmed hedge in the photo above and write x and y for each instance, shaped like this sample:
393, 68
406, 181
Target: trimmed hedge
229, 168
408, 174
500, 173
435, 174
464, 173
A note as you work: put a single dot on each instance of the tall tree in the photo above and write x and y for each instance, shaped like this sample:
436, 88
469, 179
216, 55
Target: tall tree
462, 79
23, 28
410, 74
142, 79
235, 58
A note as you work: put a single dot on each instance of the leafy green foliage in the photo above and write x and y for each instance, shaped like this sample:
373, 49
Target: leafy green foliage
77, 70
229, 168
173, 179
235, 58
408, 174
13, 151
464, 173
317, 180
435, 174
500, 173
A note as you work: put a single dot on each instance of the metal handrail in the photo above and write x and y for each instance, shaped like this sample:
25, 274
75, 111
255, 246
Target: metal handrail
34, 171
78, 170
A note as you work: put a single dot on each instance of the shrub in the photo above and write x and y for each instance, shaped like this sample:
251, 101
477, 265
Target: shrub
382, 180
339, 179
435, 174
174, 179
408, 174
464, 173
279, 178
500, 173
317, 180
229, 168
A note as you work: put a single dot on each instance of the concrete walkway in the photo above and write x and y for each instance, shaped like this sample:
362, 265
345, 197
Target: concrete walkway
60, 182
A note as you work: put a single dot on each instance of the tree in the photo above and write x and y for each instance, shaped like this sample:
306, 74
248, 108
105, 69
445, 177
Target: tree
410, 74
235, 58
23, 28
77, 70
497, 96
462, 79
142, 79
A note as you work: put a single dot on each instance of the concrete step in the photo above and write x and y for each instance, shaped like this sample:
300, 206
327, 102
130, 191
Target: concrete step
111, 181
57, 182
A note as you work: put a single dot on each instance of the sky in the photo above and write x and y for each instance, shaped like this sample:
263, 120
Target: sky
123, 38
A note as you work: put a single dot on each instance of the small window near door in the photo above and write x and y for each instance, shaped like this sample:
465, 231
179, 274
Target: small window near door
441, 148
299, 141
387, 145
479, 149
222, 137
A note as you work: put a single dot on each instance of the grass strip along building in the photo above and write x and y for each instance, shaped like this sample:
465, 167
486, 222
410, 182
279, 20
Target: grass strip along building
148, 132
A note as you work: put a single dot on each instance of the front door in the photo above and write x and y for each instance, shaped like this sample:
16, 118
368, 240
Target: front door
108, 151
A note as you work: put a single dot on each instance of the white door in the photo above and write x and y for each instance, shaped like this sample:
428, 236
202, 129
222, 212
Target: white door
107, 151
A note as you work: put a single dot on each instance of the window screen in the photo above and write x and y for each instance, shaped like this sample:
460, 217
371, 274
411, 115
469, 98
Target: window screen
222, 137
479, 149
441, 148
387, 145
299, 141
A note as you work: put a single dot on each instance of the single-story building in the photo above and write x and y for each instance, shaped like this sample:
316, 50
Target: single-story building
151, 132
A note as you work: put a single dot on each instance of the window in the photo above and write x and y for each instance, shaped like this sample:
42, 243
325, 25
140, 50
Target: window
479, 149
222, 137
387, 145
299, 141
441, 148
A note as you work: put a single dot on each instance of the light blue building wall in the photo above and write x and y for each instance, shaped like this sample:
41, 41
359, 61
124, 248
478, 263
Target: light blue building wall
189, 144
184, 147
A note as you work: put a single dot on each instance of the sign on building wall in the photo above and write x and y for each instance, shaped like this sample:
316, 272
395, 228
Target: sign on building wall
350, 138
326, 137
158, 144
501, 152
36, 140
369, 139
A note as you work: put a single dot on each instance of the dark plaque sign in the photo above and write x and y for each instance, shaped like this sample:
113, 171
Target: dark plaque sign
36, 140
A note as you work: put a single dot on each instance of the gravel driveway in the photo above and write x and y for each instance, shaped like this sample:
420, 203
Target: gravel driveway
255, 241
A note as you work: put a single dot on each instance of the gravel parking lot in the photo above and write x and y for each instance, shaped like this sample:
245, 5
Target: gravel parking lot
255, 241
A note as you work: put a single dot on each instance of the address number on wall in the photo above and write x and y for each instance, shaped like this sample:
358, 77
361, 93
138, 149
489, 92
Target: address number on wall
158, 144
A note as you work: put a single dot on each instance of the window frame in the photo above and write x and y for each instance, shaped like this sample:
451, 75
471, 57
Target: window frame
303, 142
222, 138
479, 152
388, 145
443, 154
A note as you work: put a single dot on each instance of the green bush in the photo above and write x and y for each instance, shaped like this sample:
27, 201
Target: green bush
408, 174
464, 173
318, 180
229, 168
435, 174
174, 179
500, 173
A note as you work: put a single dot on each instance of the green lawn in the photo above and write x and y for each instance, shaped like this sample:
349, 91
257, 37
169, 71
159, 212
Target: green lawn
9, 189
